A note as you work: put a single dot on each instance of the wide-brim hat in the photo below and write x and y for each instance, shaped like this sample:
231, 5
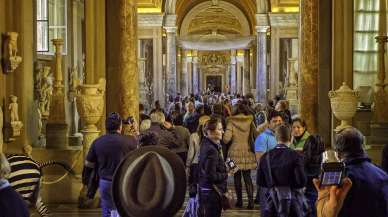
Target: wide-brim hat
149, 182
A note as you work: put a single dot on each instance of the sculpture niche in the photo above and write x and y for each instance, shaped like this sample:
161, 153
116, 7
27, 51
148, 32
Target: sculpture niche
10, 59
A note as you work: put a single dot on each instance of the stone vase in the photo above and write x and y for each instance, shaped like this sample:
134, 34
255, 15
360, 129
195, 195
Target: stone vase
344, 105
90, 106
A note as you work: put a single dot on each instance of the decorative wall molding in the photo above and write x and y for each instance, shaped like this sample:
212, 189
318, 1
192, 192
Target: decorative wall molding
284, 19
150, 20
170, 20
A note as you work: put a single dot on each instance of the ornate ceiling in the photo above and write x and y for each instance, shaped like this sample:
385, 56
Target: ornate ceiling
215, 18
224, 18
247, 6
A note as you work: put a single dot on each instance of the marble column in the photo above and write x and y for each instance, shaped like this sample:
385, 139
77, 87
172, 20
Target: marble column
129, 84
89, 43
239, 73
233, 72
261, 64
185, 76
246, 77
57, 128
195, 75
308, 79
171, 61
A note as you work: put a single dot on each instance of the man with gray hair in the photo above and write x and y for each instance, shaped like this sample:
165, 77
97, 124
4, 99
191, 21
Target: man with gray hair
164, 134
11, 203
369, 193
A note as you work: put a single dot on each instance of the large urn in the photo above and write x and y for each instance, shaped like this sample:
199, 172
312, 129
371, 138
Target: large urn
90, 104
344, 105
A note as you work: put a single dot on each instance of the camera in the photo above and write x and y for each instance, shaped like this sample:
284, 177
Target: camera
332, 170
231, 165
128, 120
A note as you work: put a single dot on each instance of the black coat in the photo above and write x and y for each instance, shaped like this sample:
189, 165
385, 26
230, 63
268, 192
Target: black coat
212, 169
12, 204
369, 193
287, 168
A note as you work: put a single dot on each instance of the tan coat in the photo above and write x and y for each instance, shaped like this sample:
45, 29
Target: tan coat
237, 131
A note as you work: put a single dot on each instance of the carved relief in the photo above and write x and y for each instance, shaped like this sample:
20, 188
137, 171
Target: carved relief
214, 58
44, 90
10, 59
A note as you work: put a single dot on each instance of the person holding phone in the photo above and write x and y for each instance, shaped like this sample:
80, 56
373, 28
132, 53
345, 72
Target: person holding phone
369, 194
331, 198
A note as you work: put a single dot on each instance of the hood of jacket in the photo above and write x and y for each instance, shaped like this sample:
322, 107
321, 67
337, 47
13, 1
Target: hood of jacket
241, 122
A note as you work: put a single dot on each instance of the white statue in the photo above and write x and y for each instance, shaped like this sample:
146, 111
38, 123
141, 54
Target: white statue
13, 108
11, 57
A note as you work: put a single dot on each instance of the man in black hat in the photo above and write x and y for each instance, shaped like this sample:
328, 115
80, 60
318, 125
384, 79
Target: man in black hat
369, 193
105, 154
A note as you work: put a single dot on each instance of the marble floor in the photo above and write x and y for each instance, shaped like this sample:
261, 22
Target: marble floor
73, 211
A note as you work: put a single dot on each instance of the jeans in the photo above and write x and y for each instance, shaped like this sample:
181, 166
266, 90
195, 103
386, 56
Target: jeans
311, 196
210, 204
107, 205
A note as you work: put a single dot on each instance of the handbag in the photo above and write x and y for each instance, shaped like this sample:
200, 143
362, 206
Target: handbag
227, 199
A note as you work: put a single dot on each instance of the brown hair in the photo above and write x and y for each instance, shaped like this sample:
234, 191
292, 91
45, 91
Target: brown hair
283, 133
301, 121
211, 124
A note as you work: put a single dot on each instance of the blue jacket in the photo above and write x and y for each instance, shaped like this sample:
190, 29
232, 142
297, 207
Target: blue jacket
266, 141
211, 165
368, 196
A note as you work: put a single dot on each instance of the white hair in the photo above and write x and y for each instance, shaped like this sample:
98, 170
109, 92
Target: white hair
5, 169
145, 125
158, 117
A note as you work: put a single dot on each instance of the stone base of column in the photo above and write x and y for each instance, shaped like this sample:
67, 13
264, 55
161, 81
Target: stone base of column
379, 132
292, 97
56, 136
75, 139
89, 136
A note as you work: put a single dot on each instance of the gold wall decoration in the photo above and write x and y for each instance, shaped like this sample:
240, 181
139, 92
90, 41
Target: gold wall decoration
149, 6
213, 58
285, 6
10, 60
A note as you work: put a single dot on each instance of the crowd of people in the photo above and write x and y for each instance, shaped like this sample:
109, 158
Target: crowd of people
207, 130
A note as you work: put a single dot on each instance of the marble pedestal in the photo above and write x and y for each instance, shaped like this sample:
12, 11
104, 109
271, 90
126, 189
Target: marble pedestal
56, 136
379, 133
67, 189
292, 97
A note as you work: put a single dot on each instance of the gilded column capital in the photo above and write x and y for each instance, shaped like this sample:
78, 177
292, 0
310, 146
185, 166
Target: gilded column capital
170, 29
